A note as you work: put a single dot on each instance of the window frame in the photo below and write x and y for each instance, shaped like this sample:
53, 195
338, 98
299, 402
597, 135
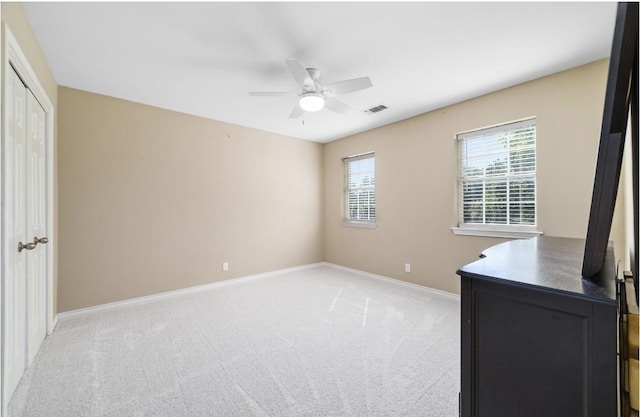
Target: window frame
346, 220
496, 229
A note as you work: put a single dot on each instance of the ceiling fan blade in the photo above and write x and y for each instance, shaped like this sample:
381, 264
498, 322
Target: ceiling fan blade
270, 94
348, 86
337, 106
300, 73
296, 112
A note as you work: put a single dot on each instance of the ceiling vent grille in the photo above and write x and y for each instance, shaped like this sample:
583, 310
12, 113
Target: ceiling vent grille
376, 109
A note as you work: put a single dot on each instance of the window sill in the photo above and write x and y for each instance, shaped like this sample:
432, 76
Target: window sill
513, 234
361, 225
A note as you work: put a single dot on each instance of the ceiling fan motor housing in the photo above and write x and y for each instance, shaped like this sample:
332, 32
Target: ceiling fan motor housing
314, 73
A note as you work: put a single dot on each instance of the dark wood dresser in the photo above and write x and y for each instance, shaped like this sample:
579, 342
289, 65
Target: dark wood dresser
538, 340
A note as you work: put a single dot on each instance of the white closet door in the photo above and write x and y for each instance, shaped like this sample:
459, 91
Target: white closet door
36, 227
24, 292
14, 290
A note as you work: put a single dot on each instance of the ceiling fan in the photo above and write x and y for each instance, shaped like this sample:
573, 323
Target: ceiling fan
315, 96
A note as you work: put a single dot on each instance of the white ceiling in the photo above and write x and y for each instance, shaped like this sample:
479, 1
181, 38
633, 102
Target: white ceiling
204, 58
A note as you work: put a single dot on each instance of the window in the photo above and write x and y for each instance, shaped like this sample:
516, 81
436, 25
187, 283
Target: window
360, 190
497, 180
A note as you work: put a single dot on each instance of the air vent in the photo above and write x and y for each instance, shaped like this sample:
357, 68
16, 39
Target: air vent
376, 109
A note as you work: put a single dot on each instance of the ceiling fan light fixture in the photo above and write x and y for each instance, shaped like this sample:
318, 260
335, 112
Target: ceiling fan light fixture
311, 102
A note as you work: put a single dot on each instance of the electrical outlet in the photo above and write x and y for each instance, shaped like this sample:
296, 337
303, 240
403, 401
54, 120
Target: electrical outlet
407, 267
225, 266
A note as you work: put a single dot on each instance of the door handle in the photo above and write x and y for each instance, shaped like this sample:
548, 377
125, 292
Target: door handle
32, 246
27, 246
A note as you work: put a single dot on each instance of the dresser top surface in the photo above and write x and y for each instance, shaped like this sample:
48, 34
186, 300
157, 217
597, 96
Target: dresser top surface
552, 263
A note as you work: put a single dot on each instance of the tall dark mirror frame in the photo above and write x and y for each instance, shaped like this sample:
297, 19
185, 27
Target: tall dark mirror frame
621, 99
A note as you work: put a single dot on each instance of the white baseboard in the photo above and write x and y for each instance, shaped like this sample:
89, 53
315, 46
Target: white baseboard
175, 293
235, 281
54, 324
395, 281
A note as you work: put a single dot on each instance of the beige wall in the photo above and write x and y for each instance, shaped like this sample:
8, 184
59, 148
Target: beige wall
13, 16
152, 200
416, 173
623, 222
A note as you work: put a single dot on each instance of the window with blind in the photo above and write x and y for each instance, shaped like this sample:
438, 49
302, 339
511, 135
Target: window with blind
360, 189
497, 177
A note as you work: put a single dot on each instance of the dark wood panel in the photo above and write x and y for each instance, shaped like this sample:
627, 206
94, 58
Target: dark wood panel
536, 354
547, 262
537, 338
623, 70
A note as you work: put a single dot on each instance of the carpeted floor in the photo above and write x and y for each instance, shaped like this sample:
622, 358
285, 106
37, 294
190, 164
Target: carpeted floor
314, 342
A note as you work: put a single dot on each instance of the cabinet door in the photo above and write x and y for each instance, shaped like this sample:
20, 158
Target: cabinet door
536, 353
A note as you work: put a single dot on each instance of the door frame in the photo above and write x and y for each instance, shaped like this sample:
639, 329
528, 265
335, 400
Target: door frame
14, 57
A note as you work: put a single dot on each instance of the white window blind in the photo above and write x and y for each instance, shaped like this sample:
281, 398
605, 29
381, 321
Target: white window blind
360, 188
497, 176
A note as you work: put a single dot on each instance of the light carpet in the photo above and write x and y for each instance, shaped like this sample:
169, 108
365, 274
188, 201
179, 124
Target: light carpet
315, 342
